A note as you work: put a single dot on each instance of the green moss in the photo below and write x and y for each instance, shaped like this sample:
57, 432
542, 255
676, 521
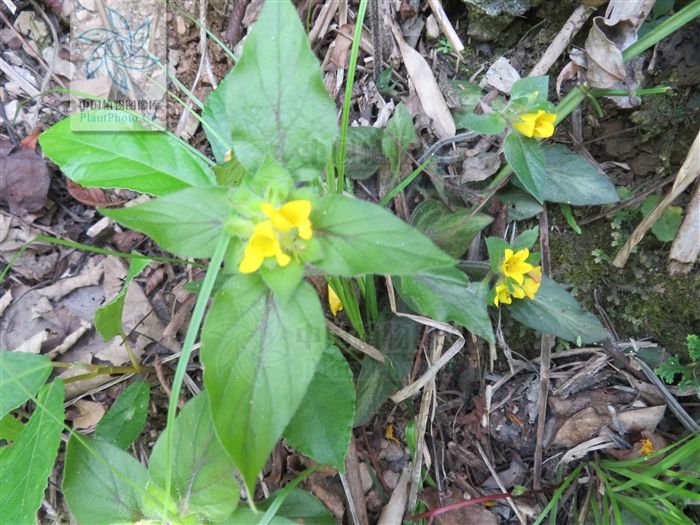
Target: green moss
641, 299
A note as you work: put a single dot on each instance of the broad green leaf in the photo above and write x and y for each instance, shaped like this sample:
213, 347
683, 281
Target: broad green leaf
554, 311
666, 226
520, 204
204, 481
363, 152
535, 88
487, 124
445, 294
397, 339
526, 158
274, 102
229, 173
102, 484
187, 223
127, 417
496, 248
572, 179
259, 355
469, 93
132, 158
10, 427
21, 377
26, 465
357, 237
527, 239
322, 426
283, 281
568, 214
399, 135
108, 317
452, 230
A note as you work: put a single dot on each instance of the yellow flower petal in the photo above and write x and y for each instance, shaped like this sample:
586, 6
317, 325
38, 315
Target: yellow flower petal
502, 295
525, 126
530, 288
290, 215
334, 301
263, 243
540, 124
514, 265
251, 262
518, 292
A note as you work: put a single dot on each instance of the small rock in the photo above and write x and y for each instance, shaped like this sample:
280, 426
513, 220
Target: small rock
503, 7
365, 477
181, 27
501, 75
432, 29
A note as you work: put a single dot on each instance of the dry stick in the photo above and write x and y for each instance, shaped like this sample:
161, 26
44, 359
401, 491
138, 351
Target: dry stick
356, 343
572, 26
446, 26
546, 344
521, 518
353, 486
689, 171
428, 392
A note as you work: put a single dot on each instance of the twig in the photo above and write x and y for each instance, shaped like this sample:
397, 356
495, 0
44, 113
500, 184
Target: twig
446, 26
572, 26
685, 247
356, 343
233, 29
353, 486
546, 344
497, 478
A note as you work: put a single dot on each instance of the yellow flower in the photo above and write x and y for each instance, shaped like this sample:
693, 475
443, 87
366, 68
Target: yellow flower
514, 265
502, 295
294, 214
532, 282
540, 124
263, 243
647, 447
334, 301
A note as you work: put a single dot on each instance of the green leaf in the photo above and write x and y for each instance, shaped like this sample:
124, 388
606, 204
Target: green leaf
445, 294
229, 173
132, 158
357, 237
568, 214
451, 230
21, 377
187, 223
283, 281
127, 417
363, 152
102, 484
526, 158
399, 135
396, 338
108, 317
666, 226
204, 480
300, 507
527, 239
469, 93
520, 204
486, 124
274, 102
322, 426
573, 179
496, 247
259, 354
10, 427
26, 465
535, 87
554, 311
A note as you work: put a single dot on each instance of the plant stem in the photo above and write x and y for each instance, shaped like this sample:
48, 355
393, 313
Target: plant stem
354, 52
192, 331
394, 192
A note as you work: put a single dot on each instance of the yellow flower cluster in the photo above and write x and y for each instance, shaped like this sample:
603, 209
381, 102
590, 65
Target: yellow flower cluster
540, 124
520, 279
268, 238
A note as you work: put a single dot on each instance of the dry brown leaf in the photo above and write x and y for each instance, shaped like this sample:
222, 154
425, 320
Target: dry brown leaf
93, 197
580, 427
90, 414
643, 419
33, 344
427, 88
5, 301
480, 166
686, 245
25, 180
467, 515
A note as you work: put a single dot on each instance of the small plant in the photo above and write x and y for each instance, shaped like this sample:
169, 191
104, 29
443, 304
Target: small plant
688, 372
444, 46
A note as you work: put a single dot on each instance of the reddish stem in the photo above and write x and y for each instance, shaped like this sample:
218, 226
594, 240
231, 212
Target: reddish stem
458, 505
